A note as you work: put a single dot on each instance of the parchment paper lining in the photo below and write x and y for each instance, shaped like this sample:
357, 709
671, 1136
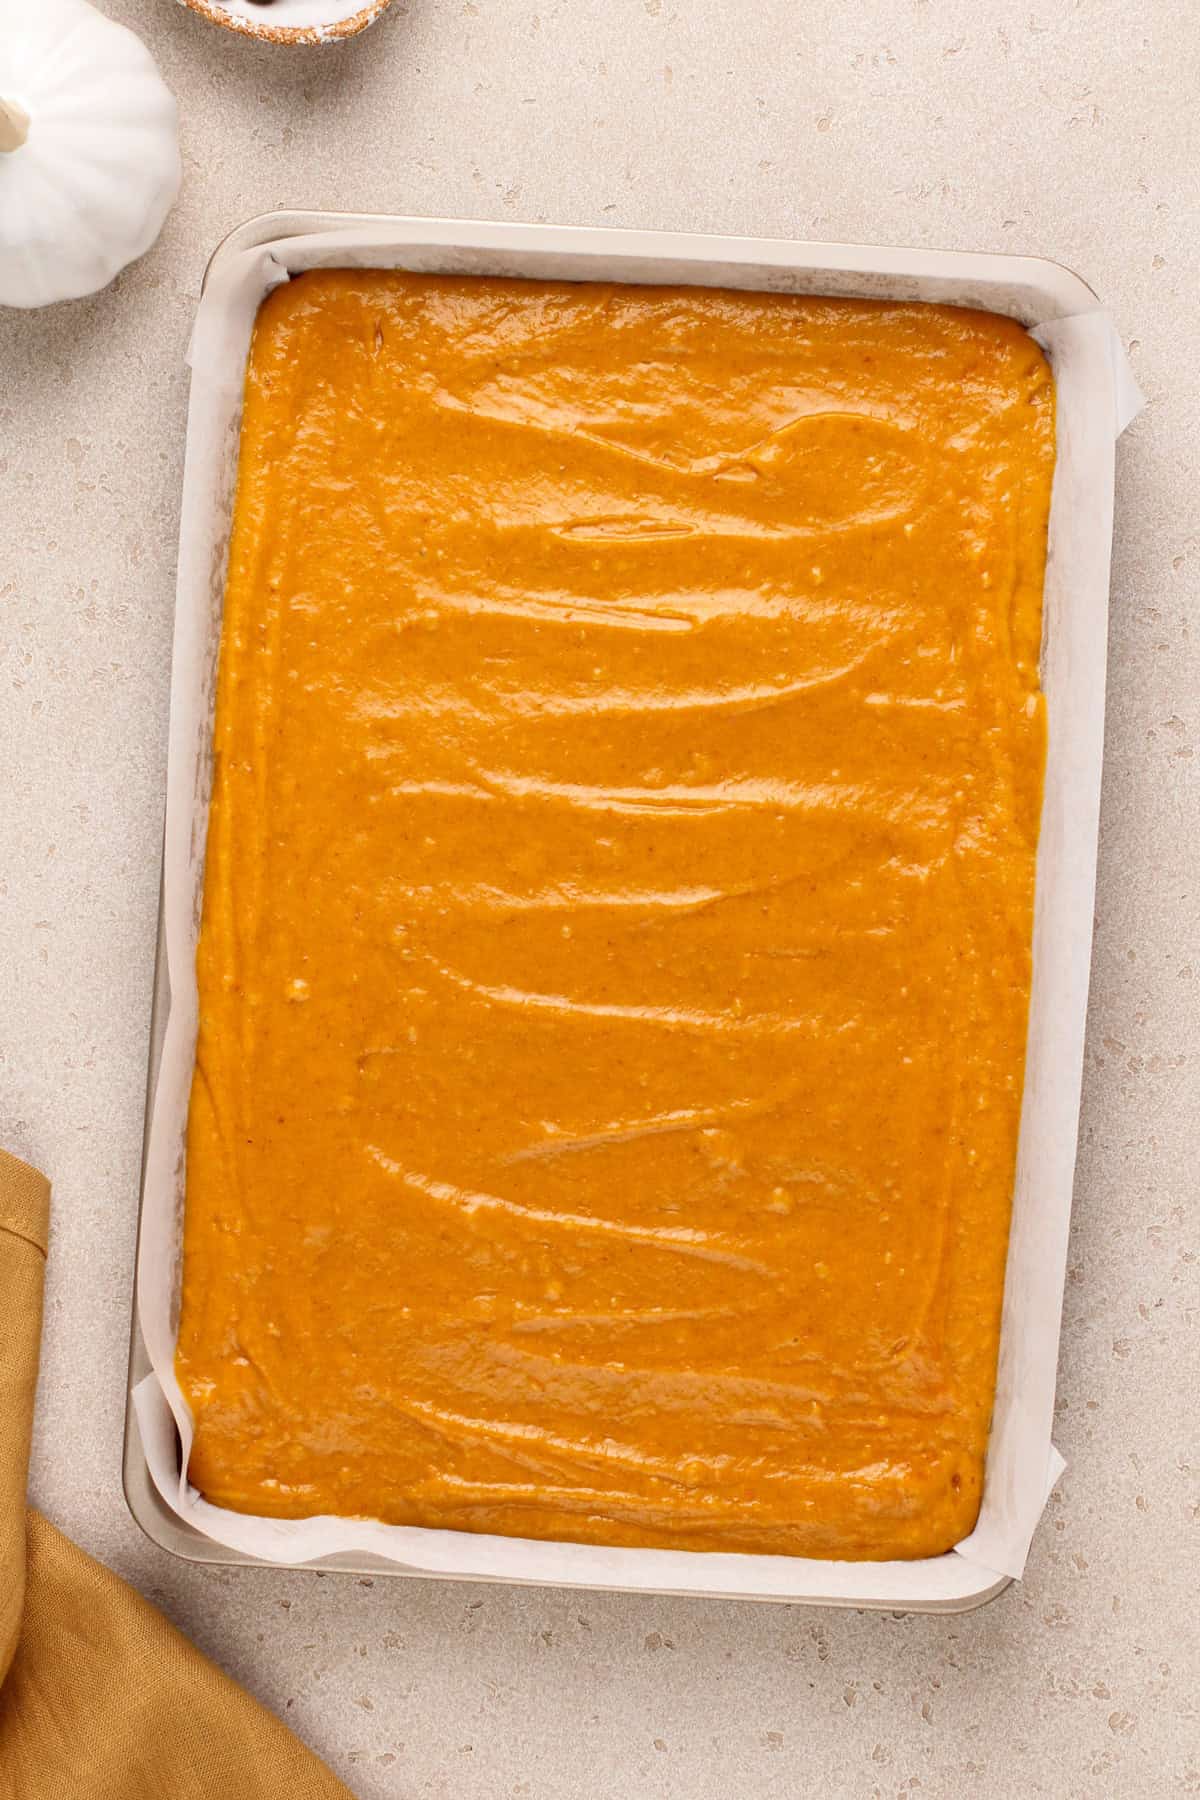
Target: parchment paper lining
1097, 398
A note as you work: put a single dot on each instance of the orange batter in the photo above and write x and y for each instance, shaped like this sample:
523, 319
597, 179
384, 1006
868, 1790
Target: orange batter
616, 939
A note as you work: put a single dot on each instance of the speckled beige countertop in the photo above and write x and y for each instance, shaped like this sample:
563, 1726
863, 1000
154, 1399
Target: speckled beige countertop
1069, 128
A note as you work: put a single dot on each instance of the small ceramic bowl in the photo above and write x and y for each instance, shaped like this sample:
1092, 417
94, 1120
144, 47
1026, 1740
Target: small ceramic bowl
292, 21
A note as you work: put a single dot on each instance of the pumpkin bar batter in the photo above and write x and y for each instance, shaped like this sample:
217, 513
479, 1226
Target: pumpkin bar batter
616, 940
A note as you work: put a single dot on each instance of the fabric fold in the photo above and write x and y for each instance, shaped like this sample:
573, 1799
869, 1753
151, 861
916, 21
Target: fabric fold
24, 1224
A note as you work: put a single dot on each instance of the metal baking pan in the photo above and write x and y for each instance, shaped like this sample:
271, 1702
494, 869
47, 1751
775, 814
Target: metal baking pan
1089, 373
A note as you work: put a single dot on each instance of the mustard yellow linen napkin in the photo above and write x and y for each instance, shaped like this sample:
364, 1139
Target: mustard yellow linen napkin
100, 1698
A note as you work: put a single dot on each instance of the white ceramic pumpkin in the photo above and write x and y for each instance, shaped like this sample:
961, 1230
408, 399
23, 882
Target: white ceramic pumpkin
89, 150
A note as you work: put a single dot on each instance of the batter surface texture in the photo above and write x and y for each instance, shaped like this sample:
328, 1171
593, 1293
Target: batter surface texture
616, 941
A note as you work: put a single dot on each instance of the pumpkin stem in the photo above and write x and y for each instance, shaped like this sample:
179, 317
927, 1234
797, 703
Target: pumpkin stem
14, 125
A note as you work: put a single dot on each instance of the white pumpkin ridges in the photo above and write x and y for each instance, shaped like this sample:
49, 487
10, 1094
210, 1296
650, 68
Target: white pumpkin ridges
93, 166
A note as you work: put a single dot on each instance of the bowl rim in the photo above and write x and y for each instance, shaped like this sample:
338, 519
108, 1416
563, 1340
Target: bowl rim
216, 14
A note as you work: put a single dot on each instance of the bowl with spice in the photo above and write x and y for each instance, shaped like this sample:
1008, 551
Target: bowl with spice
291, 21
